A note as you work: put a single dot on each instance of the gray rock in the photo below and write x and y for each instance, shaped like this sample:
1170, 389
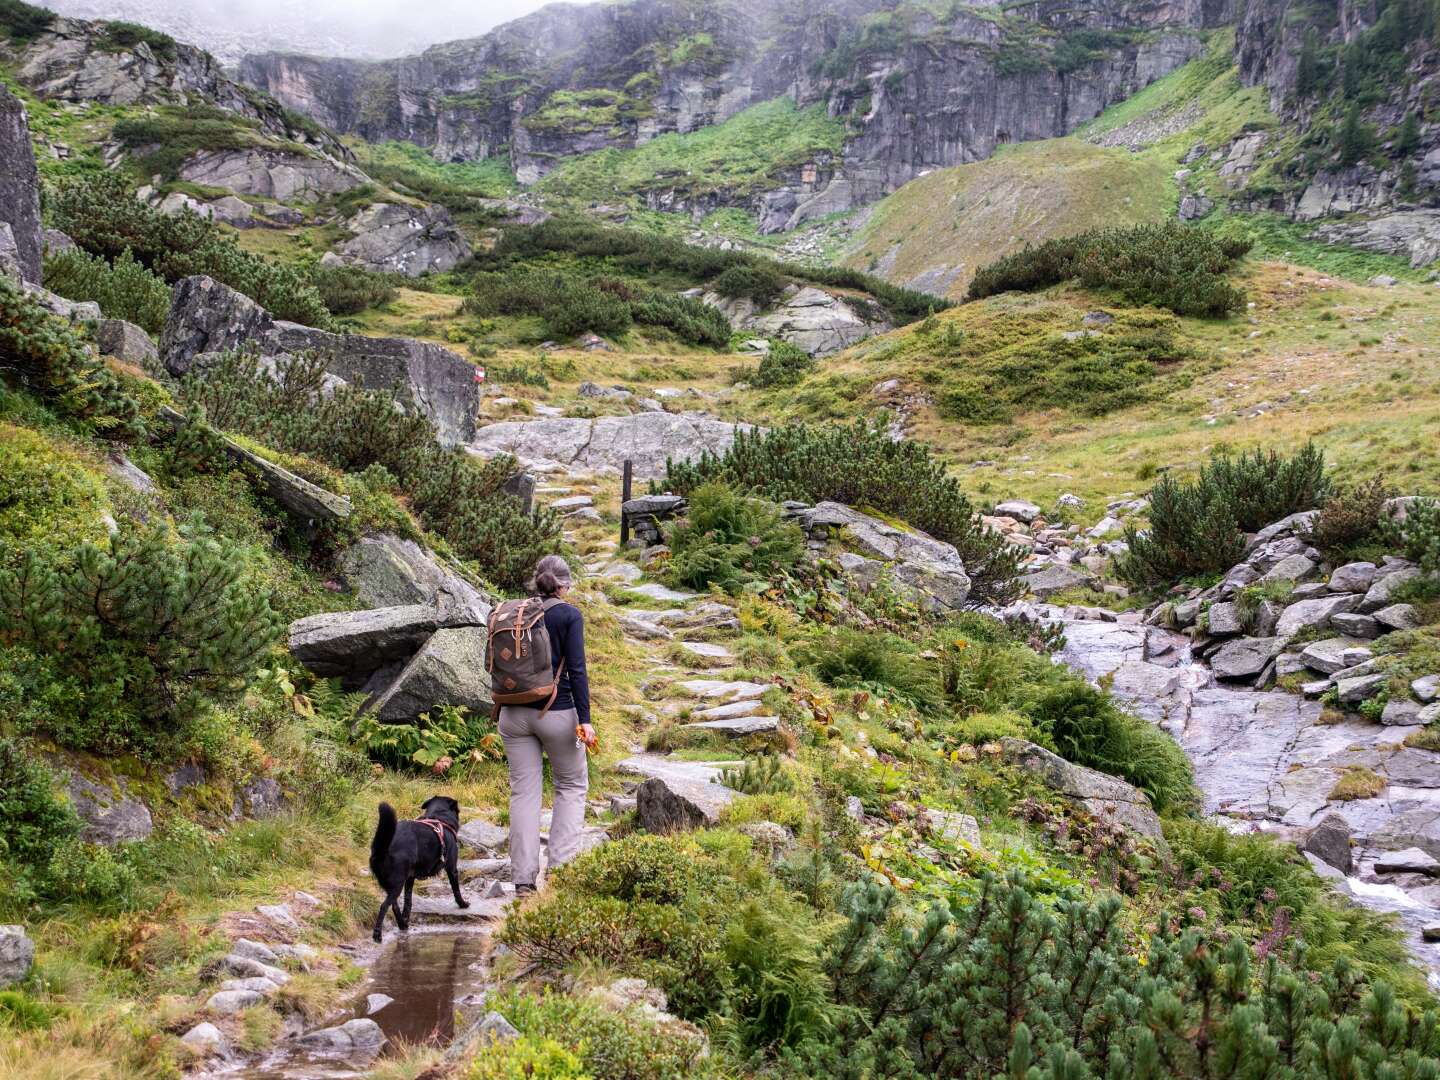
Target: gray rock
1378, 595
1353, 691
362, 1034
1398, 617
206, 1038
673, 804
1018, 509
952, 826
230, 1002
1328, 656
490, 1028
263, 798
208, 317
1354, 577
246, 967
774, 841
387, 571
1355, 625
359, 642
57, 241
129, 474
1100, 794
1223, 619
1400, 712
255, 950
603, 445
449, 669
375, 1002
282, 175
1290, 568
1426, 688
110, 815
1053, 579
257, 983
1294, 525
19, 188
125, 341
1410, 861
1430, 714
482, 835
1244, 658
811, 319
1330, 840
17, 954
854, 808
738, 726
404, 239
1312, 613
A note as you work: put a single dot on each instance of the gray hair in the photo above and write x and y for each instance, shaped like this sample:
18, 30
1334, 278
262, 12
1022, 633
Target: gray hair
552, 573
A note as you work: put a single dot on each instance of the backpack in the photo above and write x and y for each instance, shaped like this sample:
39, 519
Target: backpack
518, 655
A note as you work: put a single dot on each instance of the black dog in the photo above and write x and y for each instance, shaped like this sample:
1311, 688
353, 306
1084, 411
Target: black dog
405, 850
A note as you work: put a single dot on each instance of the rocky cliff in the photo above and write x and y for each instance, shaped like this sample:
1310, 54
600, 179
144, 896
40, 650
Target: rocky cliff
917, 90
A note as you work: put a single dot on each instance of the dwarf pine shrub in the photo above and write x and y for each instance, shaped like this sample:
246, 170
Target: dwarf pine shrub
728, 540
123, 289
102, 215
1420, 534
1351, 518
1169, 265
46, 355
36, 822
861, 466
1198, 528
349, 290
783, 365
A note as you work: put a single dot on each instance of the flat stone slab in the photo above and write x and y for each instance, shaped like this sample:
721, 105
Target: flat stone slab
667, 768
743, 725
442, 907
720, 690
733, 711
655, 591
708, 650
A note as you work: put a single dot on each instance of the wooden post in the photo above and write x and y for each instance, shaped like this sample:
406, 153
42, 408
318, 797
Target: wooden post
627, 477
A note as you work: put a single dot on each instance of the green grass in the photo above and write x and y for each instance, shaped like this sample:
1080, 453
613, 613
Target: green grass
742, 154
1276, 237
407, 166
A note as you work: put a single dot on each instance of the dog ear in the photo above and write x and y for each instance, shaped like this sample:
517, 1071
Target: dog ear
454, 805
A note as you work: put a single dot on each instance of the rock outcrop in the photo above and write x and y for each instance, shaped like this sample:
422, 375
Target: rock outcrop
1103, 795
17, 953
208, 317
604, 445
19, 189
810, 318
272, 173
401, 239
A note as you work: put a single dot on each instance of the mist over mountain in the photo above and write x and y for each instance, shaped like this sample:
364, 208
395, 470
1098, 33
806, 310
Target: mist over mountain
349, 28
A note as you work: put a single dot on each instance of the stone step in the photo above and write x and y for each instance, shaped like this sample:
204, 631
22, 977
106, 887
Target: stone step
655, 591
739, 725
715, 655
644, 630
658, 766
732, 711
722, 690
441, 907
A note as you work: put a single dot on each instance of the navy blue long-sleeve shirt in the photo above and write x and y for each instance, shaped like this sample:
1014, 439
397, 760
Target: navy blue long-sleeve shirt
566, 627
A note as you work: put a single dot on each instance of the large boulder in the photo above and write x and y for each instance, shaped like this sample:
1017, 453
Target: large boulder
673, 804
1055, 578
20, 187
401, 239
110, 814
387, 571
1310, 614
930, 568
604, 445
17, 953
208, 317
1330, 841
359, 642
1244, 658
449, 669
125, 341
809, 318
272, 173
1099, 793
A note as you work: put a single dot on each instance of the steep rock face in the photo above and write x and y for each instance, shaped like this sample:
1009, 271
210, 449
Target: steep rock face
19, 188
917, 91
409, 240
272, 173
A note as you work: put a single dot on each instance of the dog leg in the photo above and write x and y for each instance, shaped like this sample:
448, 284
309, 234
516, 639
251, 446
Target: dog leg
452, 872
400, 921
379, 933
409, 888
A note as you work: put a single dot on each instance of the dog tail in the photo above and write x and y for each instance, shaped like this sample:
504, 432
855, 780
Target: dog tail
380, 845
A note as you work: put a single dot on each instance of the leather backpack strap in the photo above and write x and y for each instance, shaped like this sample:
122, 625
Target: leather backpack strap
554, 691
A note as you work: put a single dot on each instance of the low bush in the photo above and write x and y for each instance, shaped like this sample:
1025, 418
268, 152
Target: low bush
1197, 529
784, 365
46, 355
349, 290
102, 215
123, 289
36, 821
1169, 265
526, 1057
155, 627
24, 22
1351, 519
884, 664
120, 36
728, 541
761, 284
1420, 534
861, 466
49, 494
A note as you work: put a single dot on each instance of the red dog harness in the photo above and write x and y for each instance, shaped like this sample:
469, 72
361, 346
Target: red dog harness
438, 827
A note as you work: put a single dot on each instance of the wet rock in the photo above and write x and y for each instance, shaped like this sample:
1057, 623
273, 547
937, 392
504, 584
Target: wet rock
361, 1034
1330, 840
125, 341
19, 189
1245, 658
1313, 613
110, 815
674, 804
1100, 794
604, 444
388, 571
17, 954
403, 239
359, 642
206, 1038
282, 175
230, 1002
1410, 861
449, 669
1353, 577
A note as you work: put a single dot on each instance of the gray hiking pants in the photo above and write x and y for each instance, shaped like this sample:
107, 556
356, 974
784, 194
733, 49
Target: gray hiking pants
526, 737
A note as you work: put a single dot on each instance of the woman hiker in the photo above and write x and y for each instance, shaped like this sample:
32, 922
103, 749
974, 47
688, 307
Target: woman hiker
530, 731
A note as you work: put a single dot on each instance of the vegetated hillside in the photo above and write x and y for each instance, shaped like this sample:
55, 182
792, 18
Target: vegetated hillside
917, 86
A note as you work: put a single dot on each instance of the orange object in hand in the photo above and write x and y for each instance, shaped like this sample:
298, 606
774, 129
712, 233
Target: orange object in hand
591, 743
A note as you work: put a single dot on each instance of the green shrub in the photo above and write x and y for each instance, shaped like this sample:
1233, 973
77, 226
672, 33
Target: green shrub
1420, 534
46, 355
1169, 265
48, 494
119, 36
778, 996
1086, 726
728, 541
162, 624
990, 984
526, 1057
784, 365
761, 284
355, 428
659, 869
447, 734
1198, 528
763, 775
124, 290
1351, 518
102, 215
349, 290
24, 22
884, 664
90, 873
861, 466
36, 821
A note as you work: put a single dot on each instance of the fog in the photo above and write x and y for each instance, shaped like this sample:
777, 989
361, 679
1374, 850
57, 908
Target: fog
337, 27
